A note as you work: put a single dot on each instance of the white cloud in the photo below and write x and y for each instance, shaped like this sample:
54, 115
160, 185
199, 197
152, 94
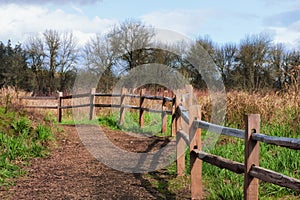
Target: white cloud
183, 21
285, 35
17, 22
285, 27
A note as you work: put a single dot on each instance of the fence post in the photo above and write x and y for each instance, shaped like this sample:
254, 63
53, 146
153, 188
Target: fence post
177, 104
190, 91
186, 103
180, 155
180, 143
174, 107
252, 122
92, 103
122, 109
164, 116
59, 109
195, 144
142, 98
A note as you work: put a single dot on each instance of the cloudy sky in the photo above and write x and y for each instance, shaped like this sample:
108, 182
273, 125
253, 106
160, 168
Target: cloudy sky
223, 21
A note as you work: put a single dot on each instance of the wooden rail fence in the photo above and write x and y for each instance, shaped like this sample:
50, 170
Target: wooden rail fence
188, 128
59, 106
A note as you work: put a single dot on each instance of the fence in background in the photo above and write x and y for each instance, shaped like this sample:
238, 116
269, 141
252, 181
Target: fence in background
122, 105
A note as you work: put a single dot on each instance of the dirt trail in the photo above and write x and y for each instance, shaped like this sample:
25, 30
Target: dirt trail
70, 172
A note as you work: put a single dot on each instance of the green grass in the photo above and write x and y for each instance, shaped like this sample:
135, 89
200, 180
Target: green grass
223, 184
82, 121
20, 140
152, 123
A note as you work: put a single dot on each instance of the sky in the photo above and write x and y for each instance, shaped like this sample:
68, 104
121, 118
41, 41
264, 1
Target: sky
223, 21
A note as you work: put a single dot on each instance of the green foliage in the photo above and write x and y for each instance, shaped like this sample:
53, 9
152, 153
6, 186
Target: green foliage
152, 123
109, 121
49, 117
20, 141
21, 126
82, 121
43, 133
13, 67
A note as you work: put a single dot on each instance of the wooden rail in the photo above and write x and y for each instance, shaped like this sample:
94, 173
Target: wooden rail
92, 104
185, 120
187, 126
292, 143
221, 162
220, 129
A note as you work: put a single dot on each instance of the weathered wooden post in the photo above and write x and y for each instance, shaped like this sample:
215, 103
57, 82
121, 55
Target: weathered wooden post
186, 102
180, 143
180, 154
174, 107
252, 122
164, 116
178, 103
142, 99
92, 103
194, 144
59, 109
122, 109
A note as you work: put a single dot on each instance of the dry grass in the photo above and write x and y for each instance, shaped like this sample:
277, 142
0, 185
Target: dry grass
9, 98
274, 108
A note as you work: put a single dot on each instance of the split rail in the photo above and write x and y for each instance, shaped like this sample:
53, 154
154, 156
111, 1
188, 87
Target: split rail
188, 125
122, 105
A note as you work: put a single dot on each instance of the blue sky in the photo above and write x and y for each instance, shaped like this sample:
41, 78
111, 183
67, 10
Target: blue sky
223, 21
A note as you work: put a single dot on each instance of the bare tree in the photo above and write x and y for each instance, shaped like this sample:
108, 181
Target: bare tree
277, 60
36, 58
130, 40
52, 46
126, 46
100, 57
202, 67
53, 58
224, 58
253, 61
291, 70
68, 57
207, 44
99, 54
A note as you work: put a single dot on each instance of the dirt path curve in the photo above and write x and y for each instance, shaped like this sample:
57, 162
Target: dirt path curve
70, 172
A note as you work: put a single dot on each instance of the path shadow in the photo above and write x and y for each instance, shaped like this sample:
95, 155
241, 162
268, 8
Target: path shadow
161, 191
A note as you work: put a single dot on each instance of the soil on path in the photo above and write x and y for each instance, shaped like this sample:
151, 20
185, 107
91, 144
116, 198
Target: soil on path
70, 172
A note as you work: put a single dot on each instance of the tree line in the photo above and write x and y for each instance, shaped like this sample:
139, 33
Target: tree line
49, 62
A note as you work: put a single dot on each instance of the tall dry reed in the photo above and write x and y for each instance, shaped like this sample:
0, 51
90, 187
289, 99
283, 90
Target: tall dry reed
274, 108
